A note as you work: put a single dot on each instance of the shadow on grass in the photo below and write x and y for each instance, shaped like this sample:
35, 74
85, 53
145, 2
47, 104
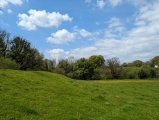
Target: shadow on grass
27, 110
98, 98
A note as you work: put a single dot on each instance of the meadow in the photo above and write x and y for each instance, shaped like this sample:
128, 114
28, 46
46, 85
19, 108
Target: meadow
37, 95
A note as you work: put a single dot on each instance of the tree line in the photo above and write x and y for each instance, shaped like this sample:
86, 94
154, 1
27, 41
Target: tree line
17, 53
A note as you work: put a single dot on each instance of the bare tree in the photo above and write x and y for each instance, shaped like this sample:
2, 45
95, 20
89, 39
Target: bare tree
113, 65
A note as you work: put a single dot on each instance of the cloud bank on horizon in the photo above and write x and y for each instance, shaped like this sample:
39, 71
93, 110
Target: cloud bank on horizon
127, 29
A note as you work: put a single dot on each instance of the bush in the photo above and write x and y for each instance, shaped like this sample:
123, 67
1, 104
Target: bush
6, 63
157, 72
97, 74
152, 73
60, 71
130, 72
142, 74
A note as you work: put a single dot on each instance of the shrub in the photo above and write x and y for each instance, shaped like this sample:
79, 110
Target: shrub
142, 74
130, 72
152, 73
6, 63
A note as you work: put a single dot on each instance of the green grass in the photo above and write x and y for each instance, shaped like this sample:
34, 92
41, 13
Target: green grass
34, 95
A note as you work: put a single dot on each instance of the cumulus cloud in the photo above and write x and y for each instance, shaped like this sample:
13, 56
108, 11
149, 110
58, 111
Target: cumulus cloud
4, 3
41, 19
77, 53
114, 3
140, 42
101, 3
61, 36
82, 32
64, 36
56, 53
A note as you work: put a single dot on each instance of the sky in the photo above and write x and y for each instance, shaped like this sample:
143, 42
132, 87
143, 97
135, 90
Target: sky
127, 29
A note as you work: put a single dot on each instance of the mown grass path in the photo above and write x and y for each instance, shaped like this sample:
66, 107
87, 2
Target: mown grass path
34, 95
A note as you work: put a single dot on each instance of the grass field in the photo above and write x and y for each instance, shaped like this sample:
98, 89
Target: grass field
34, 95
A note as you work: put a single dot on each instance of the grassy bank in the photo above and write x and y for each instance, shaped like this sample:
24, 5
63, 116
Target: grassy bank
33, 95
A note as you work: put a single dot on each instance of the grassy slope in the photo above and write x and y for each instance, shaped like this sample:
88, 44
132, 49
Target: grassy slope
46, 96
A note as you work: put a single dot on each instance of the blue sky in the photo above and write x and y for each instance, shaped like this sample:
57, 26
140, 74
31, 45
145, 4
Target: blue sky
127, 29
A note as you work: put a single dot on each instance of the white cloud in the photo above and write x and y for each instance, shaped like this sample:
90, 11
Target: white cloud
61, 36
4, 3
115, 28
109, 34
82, 52
41, 19
148, 14
114, 22
138, 3
9, 11
141, 42
64, 36
101, 3
114, 3
84, 33
56, 53
77, 53
81, 32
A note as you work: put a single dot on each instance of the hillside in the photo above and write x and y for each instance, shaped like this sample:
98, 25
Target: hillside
36, 95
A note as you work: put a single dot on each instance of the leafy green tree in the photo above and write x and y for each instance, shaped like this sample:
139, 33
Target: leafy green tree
4, 43
83, 69
124, 64
97, 60
137, 63
155, 61
24, 55
6, 63
114, 66
33, 60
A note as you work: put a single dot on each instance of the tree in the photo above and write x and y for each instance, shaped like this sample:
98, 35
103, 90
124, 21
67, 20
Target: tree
62, 66
137, 63
97, 60
114, 66
152, 73
83, 69
155, 61
33, 60
24, 55
124, 64
4, 43
49, 65
142, 74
